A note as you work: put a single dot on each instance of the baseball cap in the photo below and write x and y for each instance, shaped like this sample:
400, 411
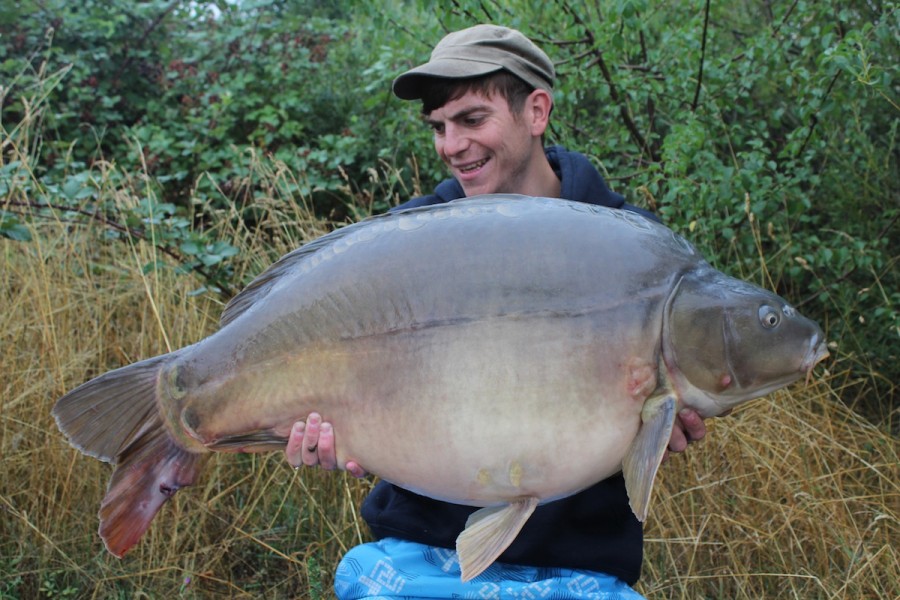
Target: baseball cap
476, 51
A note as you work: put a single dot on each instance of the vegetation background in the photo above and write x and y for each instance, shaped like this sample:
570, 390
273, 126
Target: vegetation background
156, 155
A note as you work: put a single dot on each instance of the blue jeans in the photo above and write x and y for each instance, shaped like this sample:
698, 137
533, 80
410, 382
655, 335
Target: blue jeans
393, 568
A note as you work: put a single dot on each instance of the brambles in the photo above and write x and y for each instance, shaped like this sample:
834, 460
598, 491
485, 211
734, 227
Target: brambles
767, 134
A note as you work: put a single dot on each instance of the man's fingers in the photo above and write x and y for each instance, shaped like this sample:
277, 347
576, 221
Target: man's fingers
309, 450
694, 427
325, 451
355, 470
293, 451
689, 427
678, 442
312, 443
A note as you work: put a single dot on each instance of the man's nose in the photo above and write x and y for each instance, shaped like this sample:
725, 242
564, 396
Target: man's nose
455, 141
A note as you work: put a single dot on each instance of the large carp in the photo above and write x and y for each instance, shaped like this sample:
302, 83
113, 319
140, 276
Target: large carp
452, 347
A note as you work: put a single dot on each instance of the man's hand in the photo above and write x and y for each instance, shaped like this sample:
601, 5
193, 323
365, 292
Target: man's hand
312, 443
689, 427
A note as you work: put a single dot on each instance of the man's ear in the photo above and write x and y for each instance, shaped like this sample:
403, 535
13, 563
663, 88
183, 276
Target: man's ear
537, 110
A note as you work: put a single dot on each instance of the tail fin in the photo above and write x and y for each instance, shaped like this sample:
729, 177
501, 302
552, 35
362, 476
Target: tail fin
115, 418
148, 473
105, 415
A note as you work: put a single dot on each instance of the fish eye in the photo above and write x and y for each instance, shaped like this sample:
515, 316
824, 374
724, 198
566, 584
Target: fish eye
768, 316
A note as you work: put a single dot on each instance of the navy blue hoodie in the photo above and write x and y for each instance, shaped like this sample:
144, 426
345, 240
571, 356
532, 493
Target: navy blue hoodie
580, 181
594, 529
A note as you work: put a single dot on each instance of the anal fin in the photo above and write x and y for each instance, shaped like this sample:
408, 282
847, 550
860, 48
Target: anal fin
488, 533
646, 452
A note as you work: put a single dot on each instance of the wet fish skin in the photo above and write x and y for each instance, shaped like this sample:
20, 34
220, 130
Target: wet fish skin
468, 335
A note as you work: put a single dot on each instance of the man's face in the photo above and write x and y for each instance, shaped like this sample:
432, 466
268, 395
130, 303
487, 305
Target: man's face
487, 148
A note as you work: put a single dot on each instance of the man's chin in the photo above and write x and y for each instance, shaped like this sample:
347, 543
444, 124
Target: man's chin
477, 190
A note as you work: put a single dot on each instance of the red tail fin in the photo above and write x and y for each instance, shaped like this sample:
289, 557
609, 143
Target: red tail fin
115, 417
148, 473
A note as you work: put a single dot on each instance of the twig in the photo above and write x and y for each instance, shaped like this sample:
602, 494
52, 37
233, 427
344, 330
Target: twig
775, 31
600, 62
814, 118
140, 41
834, 283
888, 227
702, 59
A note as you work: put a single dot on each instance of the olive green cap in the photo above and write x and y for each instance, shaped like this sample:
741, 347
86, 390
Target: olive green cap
476, 51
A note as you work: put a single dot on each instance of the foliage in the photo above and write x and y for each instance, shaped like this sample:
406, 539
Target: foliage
766, 132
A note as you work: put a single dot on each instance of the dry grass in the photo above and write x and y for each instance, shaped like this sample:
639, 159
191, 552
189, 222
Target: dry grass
793, 497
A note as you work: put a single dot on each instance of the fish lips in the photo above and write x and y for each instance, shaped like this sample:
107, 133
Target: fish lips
816, 353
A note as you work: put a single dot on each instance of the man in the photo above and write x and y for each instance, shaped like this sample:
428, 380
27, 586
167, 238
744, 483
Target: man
486, 94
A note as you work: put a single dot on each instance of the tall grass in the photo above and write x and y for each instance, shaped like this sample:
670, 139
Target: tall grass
794, 496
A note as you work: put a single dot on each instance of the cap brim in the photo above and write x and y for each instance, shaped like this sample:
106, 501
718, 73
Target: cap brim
411, 85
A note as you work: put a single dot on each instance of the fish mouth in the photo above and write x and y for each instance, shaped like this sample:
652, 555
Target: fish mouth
815, 353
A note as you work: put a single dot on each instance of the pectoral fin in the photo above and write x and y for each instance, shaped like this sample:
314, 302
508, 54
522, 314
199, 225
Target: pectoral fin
488, 533
643, 458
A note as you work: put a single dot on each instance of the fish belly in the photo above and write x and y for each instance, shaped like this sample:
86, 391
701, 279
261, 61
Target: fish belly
498, 410
477, 413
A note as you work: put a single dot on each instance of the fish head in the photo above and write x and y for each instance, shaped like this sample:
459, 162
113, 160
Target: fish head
727, 341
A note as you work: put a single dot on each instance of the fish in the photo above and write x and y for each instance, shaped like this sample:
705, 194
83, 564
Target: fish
449, 345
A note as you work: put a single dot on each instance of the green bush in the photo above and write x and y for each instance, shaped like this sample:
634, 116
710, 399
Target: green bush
765, 132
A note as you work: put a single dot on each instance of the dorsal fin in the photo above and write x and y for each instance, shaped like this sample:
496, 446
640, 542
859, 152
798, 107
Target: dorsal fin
363, 230
290, 262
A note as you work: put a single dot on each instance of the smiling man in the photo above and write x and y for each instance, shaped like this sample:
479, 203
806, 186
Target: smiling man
490, 149
486, 93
